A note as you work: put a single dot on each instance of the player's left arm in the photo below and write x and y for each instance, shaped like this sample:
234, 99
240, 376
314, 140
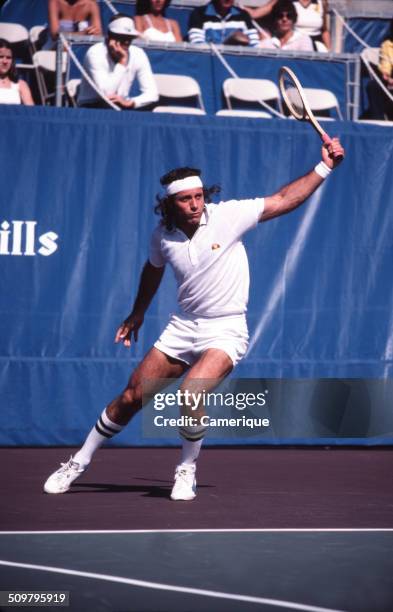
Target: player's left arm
294, 194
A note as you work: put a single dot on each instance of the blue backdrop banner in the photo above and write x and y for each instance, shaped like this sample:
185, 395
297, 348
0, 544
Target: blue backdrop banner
78, 193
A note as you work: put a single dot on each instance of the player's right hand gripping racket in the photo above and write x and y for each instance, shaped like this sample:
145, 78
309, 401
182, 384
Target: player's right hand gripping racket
296, 101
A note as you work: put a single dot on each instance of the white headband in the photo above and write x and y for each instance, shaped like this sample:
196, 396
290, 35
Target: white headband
190, 182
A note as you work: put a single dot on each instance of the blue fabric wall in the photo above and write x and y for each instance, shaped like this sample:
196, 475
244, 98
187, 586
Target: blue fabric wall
372, 31
321, 294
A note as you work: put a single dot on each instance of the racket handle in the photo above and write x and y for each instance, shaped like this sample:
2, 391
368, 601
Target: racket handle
327, 140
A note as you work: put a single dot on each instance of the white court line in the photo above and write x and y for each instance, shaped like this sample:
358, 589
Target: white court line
262, 530
169, 587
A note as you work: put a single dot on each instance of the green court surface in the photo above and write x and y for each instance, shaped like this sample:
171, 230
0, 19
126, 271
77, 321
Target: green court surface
209, 570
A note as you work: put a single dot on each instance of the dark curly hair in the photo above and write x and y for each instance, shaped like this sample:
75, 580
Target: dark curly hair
12, 73
285, 6
143, 7
164, 206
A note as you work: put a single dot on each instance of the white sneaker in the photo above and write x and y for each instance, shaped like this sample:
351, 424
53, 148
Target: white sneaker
61, 480
185, 483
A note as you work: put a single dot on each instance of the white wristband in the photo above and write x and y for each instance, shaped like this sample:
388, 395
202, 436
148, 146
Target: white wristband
322, 169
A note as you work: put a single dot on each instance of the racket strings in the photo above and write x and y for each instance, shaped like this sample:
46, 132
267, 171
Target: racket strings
293, 99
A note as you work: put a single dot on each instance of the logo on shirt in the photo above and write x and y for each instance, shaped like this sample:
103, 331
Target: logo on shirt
215, 246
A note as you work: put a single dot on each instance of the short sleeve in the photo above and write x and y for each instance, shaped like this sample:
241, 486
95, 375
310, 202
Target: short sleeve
242, 215
155, 254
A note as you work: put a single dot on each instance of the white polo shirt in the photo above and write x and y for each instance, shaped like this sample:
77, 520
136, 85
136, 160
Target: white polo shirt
211, 269
114, 78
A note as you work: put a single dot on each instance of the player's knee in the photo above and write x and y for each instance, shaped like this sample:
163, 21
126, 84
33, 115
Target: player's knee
132, 396
193, 433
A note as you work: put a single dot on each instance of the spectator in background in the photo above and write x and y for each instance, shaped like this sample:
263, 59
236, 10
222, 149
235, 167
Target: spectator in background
74, 16
386, 59
12, 89
220, 22
151, 22
312, 20
284, 36
113, 66
381, 106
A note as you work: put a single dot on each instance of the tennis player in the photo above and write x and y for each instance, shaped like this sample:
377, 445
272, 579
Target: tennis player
202, 243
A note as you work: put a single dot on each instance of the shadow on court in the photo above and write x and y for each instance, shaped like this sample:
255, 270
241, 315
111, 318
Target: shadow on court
237, 488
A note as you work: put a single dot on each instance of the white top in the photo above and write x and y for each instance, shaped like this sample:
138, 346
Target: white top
114, 78
309, 19
297, 42
67, 25
152, 33
211, 269
10, 95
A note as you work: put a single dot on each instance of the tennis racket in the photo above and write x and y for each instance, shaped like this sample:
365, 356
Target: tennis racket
296, 101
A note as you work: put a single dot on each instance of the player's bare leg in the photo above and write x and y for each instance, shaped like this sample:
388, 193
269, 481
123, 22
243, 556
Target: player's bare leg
155, 365
204, 376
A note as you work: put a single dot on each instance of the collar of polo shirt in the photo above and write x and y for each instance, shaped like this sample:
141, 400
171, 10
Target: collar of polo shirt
203, 221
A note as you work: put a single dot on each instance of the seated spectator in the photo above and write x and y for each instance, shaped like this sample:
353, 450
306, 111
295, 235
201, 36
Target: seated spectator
220, 22
113, 65
381, 105
151, 22
312, 20
74, 16
12, 89
386, 59
284, 36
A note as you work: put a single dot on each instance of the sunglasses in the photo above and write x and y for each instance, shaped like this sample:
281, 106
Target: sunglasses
285, 14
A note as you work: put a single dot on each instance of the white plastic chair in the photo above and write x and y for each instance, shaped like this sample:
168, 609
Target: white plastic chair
178, 86
14, 33
34, 36
72, 88
251, 90
180, 110
229, 112
45, 68
18, 37
370, 55
322, 100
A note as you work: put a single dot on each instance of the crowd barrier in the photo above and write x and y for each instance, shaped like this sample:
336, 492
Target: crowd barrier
78, 191
340, 73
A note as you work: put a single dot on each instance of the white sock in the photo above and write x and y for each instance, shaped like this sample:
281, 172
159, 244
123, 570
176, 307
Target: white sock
190, 450
103, 430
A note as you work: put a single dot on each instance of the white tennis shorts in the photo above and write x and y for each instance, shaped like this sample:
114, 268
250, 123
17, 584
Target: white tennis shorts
187, 337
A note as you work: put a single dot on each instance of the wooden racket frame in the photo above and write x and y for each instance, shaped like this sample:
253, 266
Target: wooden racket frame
308, 115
